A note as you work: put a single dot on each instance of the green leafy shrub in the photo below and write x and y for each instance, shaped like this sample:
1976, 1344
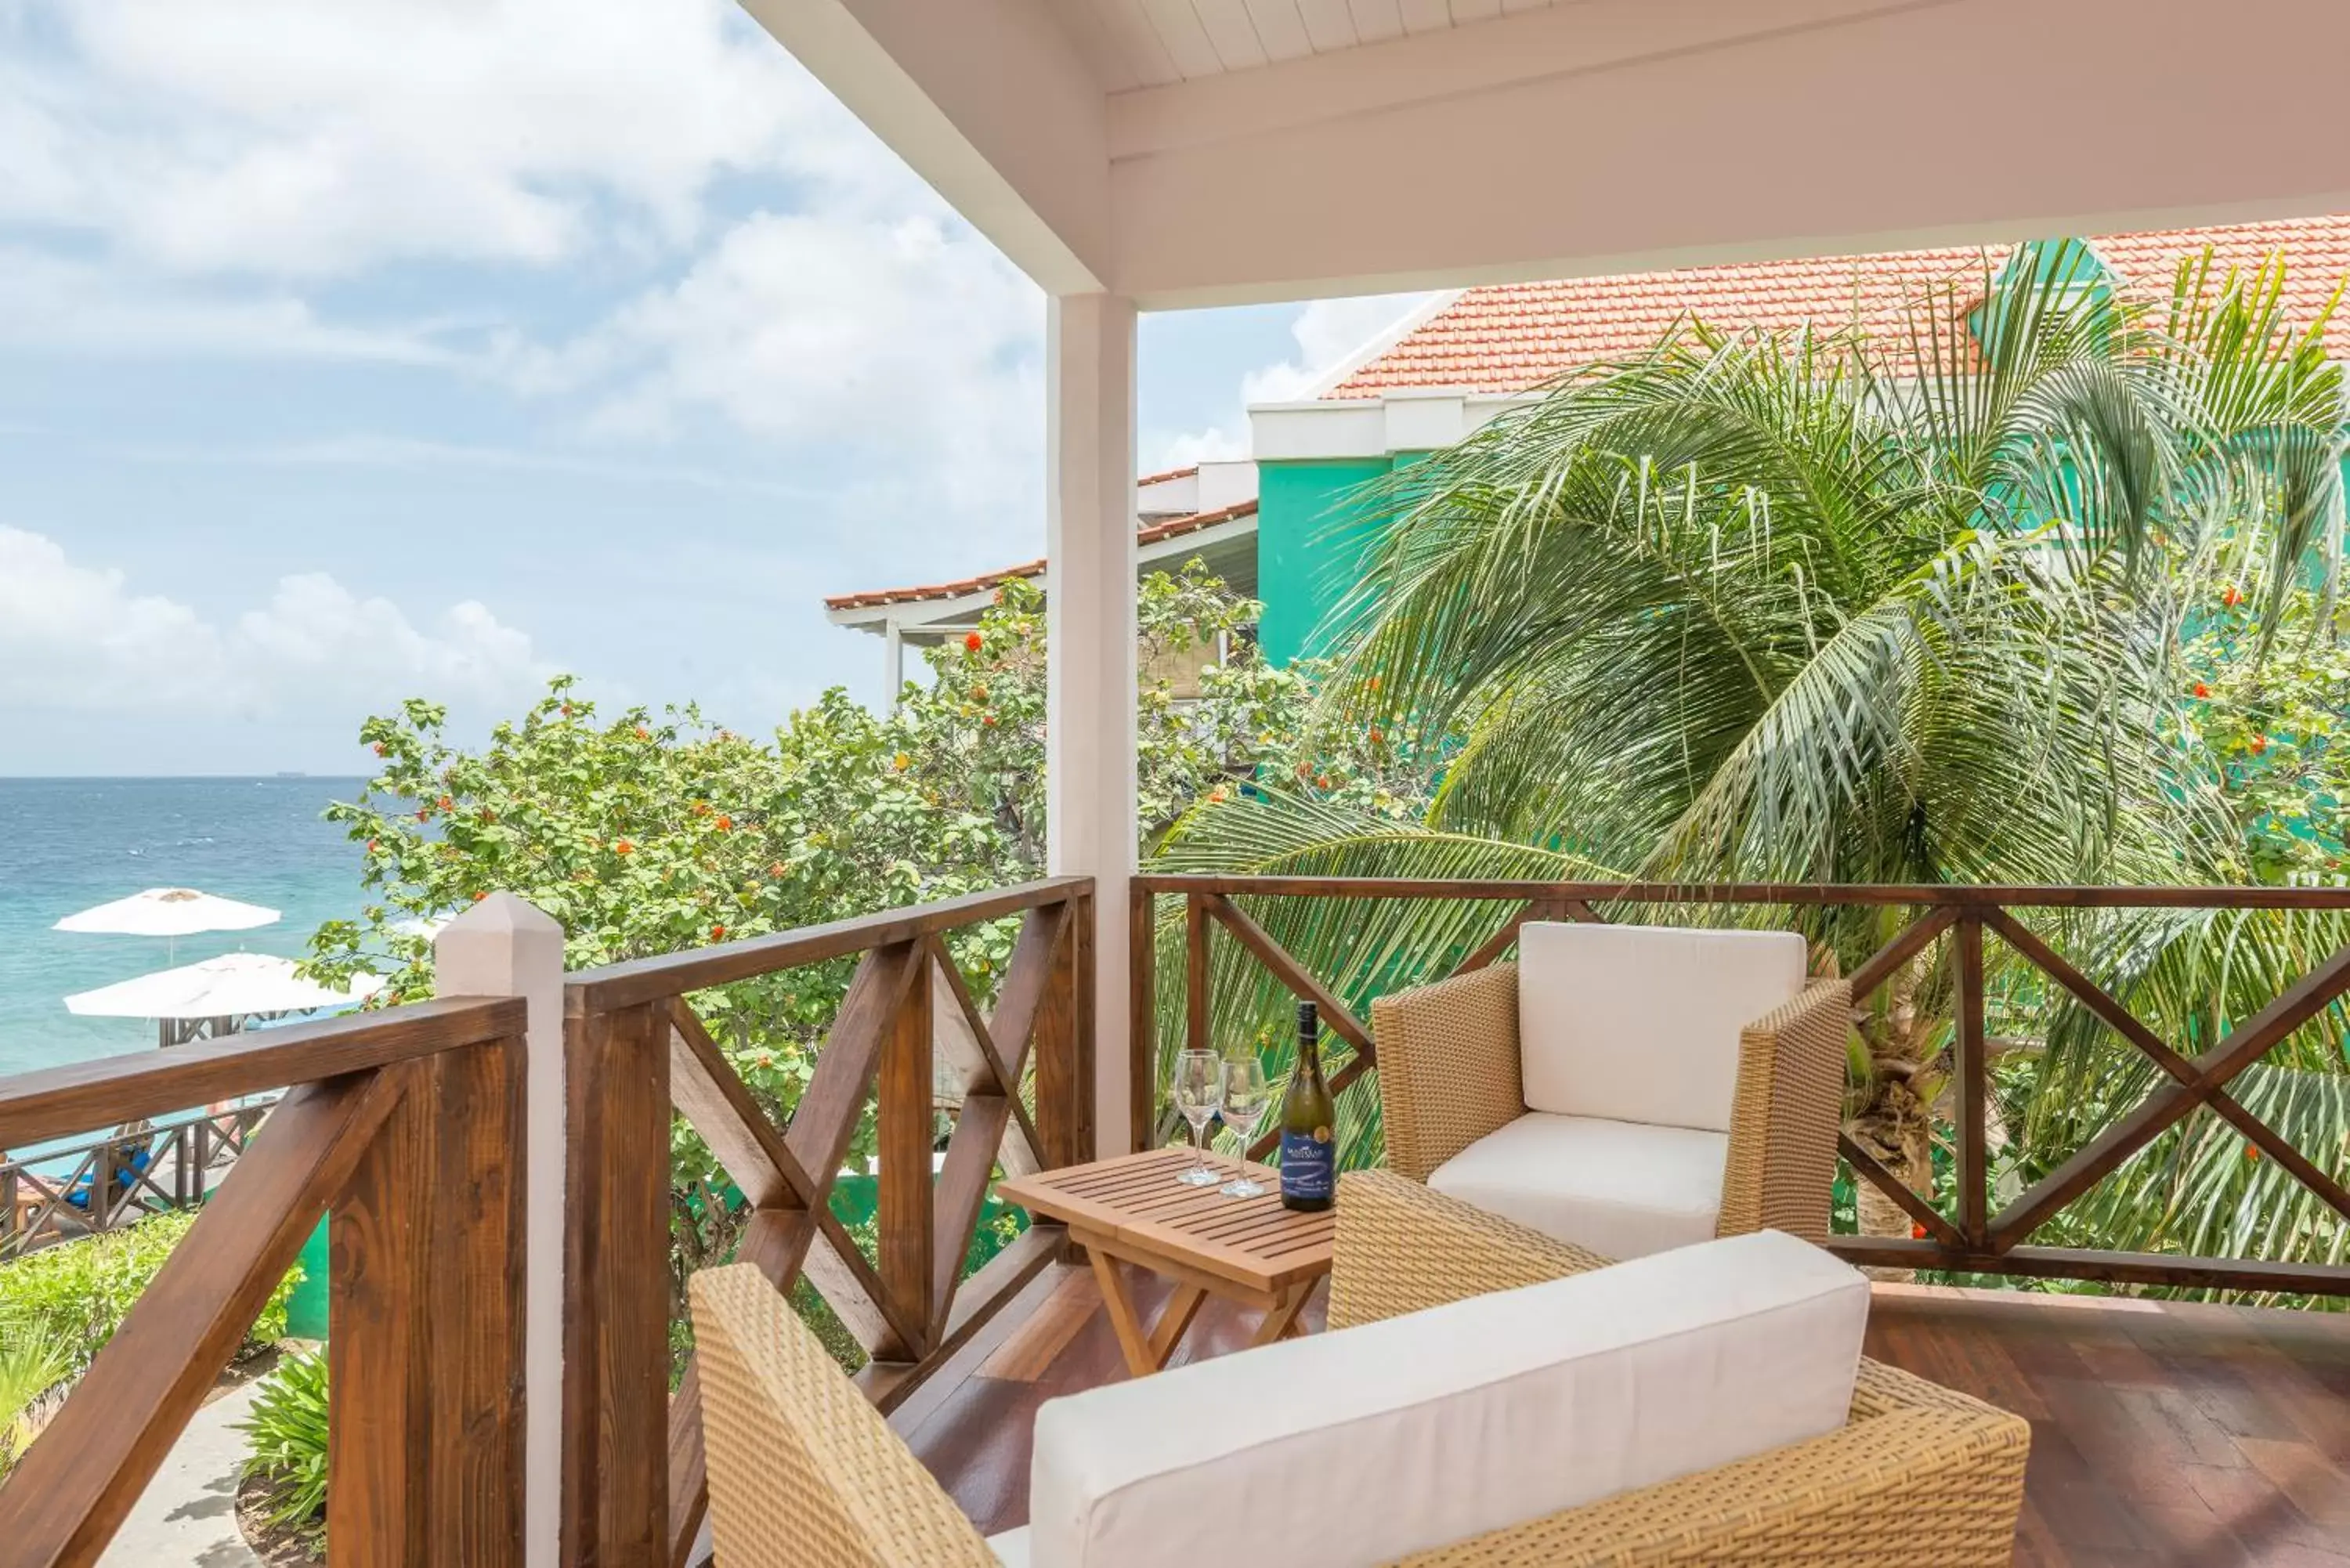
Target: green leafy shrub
288, 1430
75, 1294
34, 1366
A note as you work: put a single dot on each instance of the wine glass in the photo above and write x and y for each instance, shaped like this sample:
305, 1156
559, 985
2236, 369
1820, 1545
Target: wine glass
1246, 1099
1198, 1090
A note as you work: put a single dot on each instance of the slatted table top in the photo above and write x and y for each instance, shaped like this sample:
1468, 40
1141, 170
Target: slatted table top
1135, 1202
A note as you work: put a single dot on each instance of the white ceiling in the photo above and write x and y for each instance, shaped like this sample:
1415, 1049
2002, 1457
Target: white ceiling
1148, 43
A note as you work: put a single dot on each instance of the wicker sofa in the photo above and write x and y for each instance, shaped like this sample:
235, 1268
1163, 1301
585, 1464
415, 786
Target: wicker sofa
1733, 1130
803, 1473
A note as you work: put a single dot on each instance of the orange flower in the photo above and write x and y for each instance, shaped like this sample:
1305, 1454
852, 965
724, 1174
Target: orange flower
901, 762
1918, 1231
973, 642
1377, 737
624, 848
2232, 597
725, 824
717, 933
444, 802
776, 869
378, 748
479, 896
988, 720
643, 733
2201, 689
2251, 1151
2260, 745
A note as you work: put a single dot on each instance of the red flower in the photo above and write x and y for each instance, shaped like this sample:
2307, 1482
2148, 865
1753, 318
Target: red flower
425, 815
717, 933
443, 803
378, 748
2260, 745
624, 848
2232, 597
1918, 1231
479, 896
2201, 689
973, 642
370, 846
988, 721
1376, 736
725, 824
2251, 1151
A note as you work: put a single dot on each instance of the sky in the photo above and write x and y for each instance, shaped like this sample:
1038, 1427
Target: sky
388, 348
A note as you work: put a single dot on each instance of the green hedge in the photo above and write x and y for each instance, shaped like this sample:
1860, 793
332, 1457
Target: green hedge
75, 1295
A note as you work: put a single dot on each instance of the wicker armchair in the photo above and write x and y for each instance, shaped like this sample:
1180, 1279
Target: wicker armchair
805, 1474
1919, 1474
1449, 1077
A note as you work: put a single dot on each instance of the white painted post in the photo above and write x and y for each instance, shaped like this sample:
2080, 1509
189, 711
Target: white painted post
1090, 548
894, 659
506, 946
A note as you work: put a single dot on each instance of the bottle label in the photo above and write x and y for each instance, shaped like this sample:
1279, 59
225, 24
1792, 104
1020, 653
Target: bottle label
1309, 1163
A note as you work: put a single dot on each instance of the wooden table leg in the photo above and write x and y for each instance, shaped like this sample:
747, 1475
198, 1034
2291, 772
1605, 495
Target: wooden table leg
1122, 1315
1181, 1308
1281, 1321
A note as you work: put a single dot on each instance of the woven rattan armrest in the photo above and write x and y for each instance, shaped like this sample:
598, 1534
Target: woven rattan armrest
1448, 1065
1783, 1119
1919, 1474
804, 1472
1928, 1476
1403, 1248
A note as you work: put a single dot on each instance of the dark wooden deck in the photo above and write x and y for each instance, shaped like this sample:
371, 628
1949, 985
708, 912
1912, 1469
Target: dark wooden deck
2162, 1434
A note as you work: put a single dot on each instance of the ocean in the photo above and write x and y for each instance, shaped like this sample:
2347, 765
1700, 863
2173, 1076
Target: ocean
67, 843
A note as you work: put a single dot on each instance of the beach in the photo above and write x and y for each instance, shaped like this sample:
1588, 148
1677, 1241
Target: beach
68, 843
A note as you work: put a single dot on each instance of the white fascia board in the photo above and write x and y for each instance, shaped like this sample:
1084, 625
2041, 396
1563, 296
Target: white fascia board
1178, 496
913, 616
989, 102
1408, 164
1185, 545
928, 619
1413, 420
1224, 485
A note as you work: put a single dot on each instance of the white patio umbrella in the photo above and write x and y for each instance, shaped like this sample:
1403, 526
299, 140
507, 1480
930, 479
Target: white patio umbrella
168, 912
234, 986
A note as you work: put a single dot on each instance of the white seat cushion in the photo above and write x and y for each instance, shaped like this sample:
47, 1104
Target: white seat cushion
1621, 1189
1011, 1548
1640, 1024
1422, 1430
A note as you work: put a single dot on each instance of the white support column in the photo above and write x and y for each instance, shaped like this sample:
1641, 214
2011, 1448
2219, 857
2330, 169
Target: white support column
506, 946
1090, 548
894, 660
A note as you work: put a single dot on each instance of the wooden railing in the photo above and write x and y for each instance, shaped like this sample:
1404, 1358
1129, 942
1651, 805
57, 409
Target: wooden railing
104, 1183
638, 1057
408, 1125
1976, 1240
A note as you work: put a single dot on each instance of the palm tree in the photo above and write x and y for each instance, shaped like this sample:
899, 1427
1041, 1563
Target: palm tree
1818, 607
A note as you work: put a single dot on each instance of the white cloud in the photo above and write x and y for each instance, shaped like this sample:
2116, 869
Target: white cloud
903, 352
1327, 333
287, 138
78, 639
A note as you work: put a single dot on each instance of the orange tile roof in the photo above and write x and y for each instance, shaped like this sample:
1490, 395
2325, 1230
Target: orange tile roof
1509, 338
1151, 534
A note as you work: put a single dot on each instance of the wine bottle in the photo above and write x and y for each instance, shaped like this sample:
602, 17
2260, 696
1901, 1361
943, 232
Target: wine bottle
1309, 1148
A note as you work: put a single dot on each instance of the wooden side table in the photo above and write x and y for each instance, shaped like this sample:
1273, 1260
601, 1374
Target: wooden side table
1131, 1210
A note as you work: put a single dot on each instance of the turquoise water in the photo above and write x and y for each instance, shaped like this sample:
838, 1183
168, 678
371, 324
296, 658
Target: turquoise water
67, 843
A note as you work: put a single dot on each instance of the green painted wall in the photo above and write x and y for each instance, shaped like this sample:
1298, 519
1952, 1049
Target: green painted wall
1309, 538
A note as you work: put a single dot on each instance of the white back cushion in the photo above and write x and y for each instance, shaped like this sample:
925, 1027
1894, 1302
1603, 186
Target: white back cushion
1639, 1023
1427, 1430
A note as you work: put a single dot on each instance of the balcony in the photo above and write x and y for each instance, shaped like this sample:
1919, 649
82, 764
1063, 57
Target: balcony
503, 1301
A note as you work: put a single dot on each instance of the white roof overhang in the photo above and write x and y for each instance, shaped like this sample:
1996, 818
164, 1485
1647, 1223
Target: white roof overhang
1603, 136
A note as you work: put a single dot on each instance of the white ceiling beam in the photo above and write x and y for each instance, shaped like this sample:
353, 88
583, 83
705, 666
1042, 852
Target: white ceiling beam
989, 102
1674, 133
